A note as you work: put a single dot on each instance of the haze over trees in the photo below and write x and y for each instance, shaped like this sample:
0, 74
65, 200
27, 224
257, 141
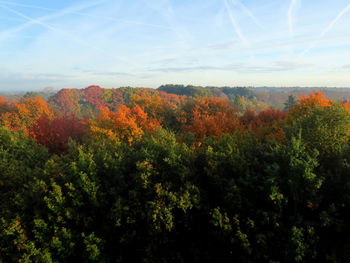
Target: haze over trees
177, 174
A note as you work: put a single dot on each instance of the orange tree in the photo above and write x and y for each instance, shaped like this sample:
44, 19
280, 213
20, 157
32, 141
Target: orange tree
322, 123
5, 105
66, 101
126, 123
205, 117
266, 124
159, 106
25, 113
55, 133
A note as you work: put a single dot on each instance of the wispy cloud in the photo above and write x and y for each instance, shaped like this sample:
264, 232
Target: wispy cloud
236, 26
166, 10
28, 6
343, 68
149, 42
248, 12
66, 34
47, 26
326, 30
106, 73
34, 76
277, 66
31, 81
290, 16
107, 18
10, 32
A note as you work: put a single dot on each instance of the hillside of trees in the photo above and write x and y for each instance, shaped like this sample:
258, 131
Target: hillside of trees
272, 96
258, 97
177, 174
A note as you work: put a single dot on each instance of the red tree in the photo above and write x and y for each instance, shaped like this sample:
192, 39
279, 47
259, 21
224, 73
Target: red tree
55, 133
209, 117
66, 101
266, 124
94, 96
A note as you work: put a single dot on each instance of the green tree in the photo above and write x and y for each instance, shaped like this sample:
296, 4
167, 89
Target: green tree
291, 101
324, 128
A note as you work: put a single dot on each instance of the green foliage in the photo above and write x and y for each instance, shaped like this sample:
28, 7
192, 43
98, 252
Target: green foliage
20, 160
291, 101
323, 128
185, 90
168, 197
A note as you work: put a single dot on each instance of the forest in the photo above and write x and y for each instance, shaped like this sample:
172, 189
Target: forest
174, 174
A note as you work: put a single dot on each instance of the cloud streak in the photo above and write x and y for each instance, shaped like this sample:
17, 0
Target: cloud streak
89, 15
249, 13
166, 10
30, 22
149, 42
235, 24
290, 16
69, 36
277, 66
326, 30
107, 73
45, 25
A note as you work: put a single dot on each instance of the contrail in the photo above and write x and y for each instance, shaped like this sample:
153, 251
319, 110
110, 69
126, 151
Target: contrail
235, 25
248, 12
290, 16
166, 11
89, 15
11, 19
48, 17
29, 6
32, 20
36, 21
80, 7
327, 29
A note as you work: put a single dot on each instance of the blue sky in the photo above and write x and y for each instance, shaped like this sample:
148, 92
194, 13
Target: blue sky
112, 43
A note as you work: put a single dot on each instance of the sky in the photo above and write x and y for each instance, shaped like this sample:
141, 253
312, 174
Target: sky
147, 43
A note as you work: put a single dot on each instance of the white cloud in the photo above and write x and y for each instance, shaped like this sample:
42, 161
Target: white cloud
290, 16
327, 29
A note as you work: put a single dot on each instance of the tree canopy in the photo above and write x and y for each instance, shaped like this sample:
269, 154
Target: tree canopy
142, 175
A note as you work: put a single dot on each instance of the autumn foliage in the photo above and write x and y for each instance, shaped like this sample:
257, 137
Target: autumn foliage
55, 133
128, 114
66, 101
207, 117
4, 105
126, 123
25, 113
196, 175
314, 99
346, 105
266, 124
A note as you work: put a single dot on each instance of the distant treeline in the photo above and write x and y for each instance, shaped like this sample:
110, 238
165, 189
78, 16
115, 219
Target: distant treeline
270, 96
273, 96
